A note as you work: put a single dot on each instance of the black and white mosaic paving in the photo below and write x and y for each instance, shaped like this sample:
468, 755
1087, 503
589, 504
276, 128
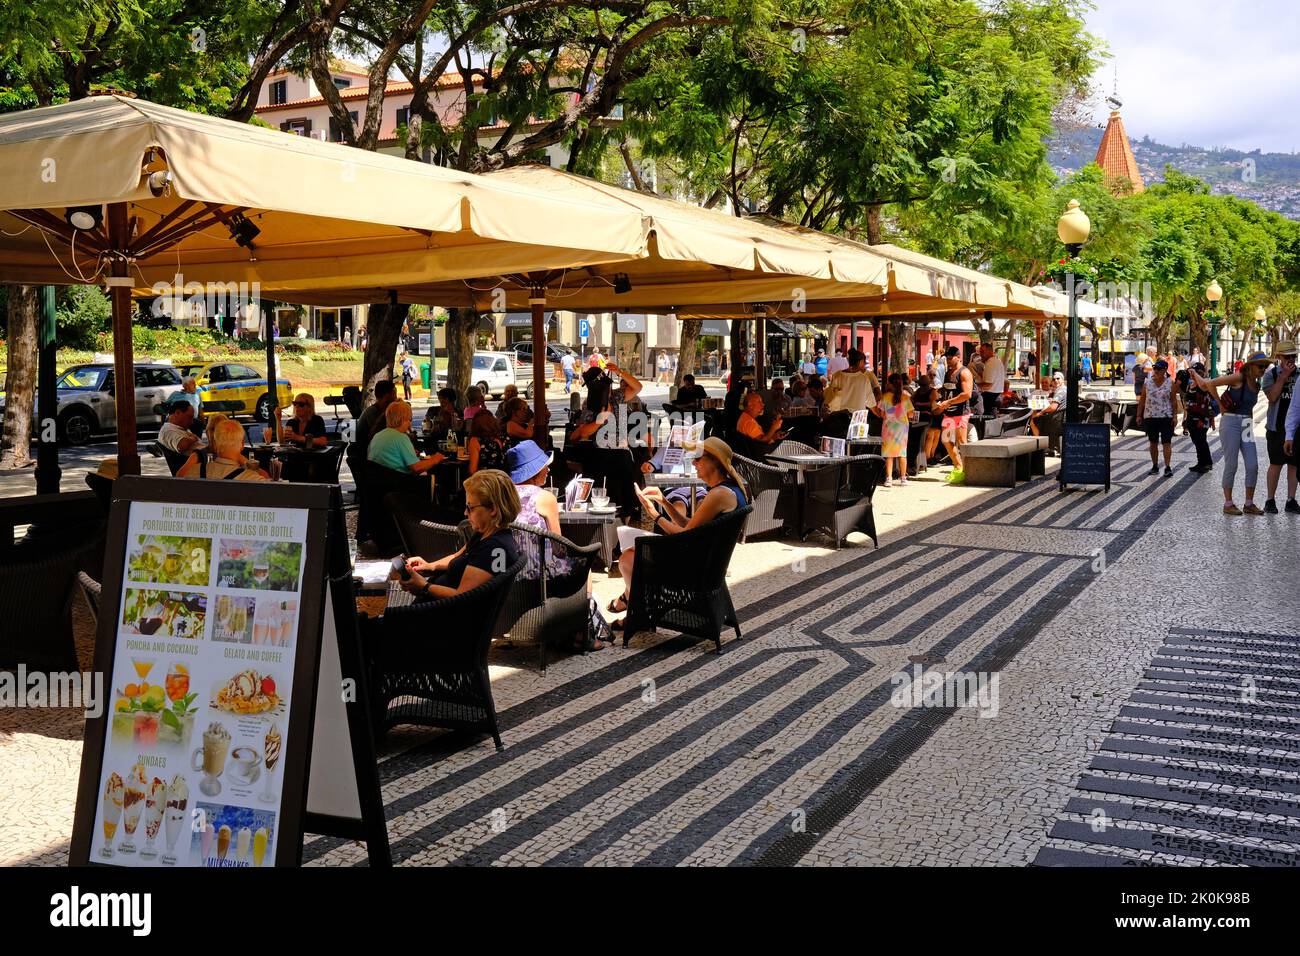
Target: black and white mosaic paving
1203, 761
776, 750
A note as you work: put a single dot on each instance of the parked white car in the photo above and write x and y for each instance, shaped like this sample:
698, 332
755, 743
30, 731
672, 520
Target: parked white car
86, 402
492, 372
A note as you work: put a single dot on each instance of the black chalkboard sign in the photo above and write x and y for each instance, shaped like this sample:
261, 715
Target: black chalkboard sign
1085, 454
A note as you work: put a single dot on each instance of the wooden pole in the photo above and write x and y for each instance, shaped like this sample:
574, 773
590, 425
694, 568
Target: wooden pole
760, 349
48, 473
537, 302
272, 387
1038, 355
128, 456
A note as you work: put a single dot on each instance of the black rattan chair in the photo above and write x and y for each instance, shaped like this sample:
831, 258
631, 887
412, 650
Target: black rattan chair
680, 580
548, 601
427, 662
92, 591
174, 459
1014, 425
422, 536
374, 484
36, 592
321, 466
770, 491
838, 497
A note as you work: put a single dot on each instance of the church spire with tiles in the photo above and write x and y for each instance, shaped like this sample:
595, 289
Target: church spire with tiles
1115, 154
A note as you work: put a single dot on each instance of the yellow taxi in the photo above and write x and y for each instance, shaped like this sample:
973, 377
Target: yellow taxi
233, 382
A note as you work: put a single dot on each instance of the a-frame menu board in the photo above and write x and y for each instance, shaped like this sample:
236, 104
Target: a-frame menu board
238, 716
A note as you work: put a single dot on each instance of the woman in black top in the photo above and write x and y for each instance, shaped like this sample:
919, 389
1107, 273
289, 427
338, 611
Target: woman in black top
604, 452
304, 427
491, 505
486, 448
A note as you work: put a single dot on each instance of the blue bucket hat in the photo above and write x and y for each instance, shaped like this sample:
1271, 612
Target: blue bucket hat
525, 460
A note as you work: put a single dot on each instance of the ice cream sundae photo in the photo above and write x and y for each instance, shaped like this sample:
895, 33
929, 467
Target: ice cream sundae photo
114, 796
178, 798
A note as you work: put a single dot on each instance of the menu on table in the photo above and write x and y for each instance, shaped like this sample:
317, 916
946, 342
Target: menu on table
201, 685
859, 425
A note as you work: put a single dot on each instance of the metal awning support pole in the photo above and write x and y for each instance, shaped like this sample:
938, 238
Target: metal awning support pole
760, 346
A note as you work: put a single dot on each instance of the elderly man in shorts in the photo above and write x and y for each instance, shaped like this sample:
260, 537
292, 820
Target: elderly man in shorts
959, 384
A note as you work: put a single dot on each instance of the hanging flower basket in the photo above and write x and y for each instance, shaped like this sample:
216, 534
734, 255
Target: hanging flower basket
1084, 272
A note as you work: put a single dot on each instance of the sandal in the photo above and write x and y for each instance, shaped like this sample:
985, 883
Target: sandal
617, 625
612, 607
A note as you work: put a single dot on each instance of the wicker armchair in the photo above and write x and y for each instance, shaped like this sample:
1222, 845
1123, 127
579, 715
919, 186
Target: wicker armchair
680, 581
92, 591
789, 447
36, 591
771, 495
839, 497
548, 601
427, 662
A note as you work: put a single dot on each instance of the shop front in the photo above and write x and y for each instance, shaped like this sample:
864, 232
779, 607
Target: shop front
710, 346
629, 343
519, 328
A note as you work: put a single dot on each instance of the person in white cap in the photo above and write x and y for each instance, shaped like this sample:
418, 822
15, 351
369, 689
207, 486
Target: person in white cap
1046, 421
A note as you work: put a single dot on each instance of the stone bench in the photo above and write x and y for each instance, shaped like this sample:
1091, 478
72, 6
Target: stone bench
1001, 462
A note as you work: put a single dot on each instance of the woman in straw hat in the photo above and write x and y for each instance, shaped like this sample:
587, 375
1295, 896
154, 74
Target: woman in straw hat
1237, 427
726, 493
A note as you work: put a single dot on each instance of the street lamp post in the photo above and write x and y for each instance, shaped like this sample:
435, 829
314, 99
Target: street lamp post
1261, 319
1214, 293
1072, 229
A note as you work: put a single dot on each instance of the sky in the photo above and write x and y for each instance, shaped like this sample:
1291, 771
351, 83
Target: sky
1205, 73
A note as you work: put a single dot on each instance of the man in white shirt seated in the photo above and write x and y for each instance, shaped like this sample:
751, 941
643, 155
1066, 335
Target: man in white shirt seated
990, 378
838, 363
847, 392
175, 435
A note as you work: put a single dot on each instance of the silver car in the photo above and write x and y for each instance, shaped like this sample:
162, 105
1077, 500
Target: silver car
87, 405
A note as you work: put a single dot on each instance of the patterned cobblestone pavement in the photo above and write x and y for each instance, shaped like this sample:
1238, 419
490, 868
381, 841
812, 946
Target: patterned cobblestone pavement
1102, 617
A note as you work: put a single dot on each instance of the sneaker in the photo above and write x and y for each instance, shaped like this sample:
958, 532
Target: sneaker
957, 476
1291, 507
1169, 472
1270, 507
903, 480
1231, 509
889, 482
1252, 509
1155, 470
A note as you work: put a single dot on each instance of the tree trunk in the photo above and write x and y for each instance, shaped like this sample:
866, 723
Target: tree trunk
384, 328
1199, 331
1009, 350
873, 225
899, 345
20, 377
461, 326
690, 332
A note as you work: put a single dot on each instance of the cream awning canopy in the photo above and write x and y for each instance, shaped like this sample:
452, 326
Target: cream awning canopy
171, 197
327, 214
694, 256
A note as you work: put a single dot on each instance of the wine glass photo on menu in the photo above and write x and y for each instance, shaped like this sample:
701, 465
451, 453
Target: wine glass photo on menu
169, 559
259, 565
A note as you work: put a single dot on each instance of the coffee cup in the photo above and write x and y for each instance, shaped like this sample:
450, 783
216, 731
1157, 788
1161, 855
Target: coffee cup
246, 761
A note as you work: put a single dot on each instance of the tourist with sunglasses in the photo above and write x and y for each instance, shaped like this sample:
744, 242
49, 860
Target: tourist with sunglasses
303, 427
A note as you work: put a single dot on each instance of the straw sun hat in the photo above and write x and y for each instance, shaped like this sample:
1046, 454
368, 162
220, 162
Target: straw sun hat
721, 451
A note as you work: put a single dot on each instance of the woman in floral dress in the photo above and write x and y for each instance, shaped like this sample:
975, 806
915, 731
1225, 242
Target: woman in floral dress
896, 409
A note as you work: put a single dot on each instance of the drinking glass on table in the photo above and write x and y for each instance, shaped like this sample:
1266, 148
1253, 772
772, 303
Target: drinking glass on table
599, 497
